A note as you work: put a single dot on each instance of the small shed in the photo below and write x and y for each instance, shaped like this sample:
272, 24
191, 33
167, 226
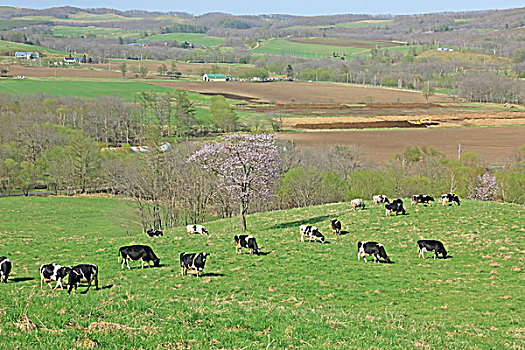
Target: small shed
214, 77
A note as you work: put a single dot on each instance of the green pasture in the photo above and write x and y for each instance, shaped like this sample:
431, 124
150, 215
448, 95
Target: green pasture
196, 38
295, 295
355, 24
287, 48
78, 88
11, 46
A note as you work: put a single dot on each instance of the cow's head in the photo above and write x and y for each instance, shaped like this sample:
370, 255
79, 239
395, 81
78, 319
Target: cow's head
156, 262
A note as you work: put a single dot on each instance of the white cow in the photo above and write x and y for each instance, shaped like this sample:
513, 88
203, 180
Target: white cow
196, 229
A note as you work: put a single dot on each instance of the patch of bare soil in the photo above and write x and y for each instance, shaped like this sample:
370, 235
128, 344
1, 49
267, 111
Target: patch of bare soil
291, 92
494, 145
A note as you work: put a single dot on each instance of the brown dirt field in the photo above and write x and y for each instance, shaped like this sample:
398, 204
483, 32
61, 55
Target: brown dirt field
342, 42
494, 145
304, 93
100, 70
455, 119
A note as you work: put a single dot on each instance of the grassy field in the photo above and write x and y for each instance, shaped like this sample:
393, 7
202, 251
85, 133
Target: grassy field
296, 295
288, 48
11, 46
78, 88
196, 38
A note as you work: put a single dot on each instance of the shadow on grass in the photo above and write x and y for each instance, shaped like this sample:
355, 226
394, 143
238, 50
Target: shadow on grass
342, 233
212, 274
264, 253
21, 279
298, 223
145, 267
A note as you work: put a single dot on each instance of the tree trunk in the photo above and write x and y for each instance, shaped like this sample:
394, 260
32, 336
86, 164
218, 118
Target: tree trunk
244, 209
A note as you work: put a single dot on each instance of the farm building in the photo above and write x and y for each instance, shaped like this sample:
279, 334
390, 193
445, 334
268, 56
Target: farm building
214, 77
27, 55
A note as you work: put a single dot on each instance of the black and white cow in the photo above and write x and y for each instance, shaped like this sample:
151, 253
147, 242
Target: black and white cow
380, 198
421, 198
449, 198
196, 229
193, 261
153, 232
136, 252
430, 245
53, 272
311, 232
336, 226
371, 248
357, 203
83, 273
246, 241
396, 206
5, 268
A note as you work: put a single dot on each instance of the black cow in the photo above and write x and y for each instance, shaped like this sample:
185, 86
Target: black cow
336, 226
53, 272
311, 232
136, 252
5, 268
371, 248
422, 198
449, 198
396, 206
194, 261
246, 241
153, 232
430, 245
83, 273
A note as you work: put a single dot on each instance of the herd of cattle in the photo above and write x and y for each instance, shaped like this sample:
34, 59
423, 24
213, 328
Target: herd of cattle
88, 273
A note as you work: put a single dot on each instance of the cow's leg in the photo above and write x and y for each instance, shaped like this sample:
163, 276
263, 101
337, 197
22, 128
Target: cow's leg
182, 271
141, 263
127, 263
122, 265
435, 254
59, 283
251, 251
96, 282
302, 237
41, 282
89, 286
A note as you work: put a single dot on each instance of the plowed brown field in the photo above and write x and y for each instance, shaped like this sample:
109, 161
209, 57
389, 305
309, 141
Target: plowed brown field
287, 92
494, 145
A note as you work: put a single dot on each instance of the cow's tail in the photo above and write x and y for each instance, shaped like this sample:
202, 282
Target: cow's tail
359, 244
181, 254
119, 255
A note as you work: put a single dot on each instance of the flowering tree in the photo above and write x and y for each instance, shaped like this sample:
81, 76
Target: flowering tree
486, 188
246, 165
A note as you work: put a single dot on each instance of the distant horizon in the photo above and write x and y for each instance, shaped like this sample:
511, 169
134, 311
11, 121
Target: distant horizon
290, 7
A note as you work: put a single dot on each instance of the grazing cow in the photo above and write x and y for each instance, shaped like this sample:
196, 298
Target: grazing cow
153, 232
53, 272
358, 202
421, 198
136, 252
194, 261
311, 232
396, 206
336, 226
5, 268
83, 273
246, 241
196, 229
371, 248
380, 198
449, 198
429, 245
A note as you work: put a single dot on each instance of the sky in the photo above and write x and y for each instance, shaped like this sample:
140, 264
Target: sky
293, 7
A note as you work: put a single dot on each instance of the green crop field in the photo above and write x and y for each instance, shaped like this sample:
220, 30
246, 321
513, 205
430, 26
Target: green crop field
8, 45
295, 295
288, 48
78, 88
196, 38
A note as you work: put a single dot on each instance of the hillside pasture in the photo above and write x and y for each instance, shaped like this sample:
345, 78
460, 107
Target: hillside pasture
285, 47
77, 32
295, 295
12, 46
